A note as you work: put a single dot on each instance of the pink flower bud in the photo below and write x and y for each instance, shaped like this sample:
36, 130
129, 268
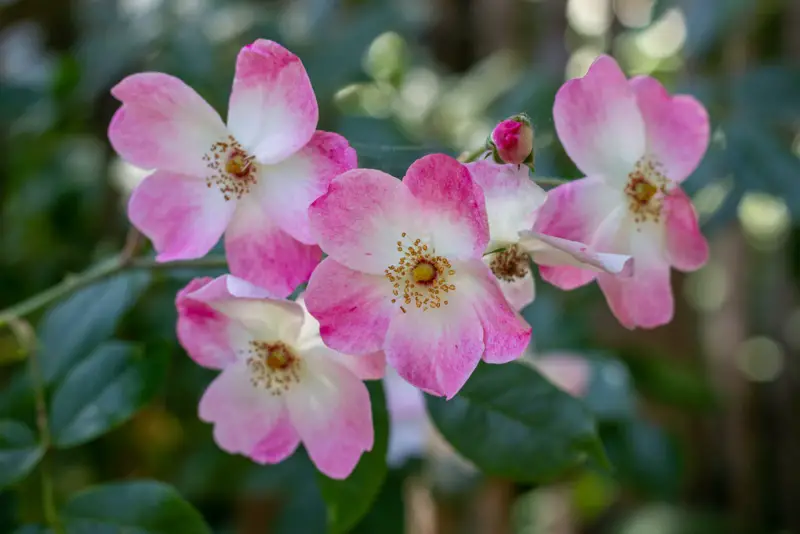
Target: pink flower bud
512, 140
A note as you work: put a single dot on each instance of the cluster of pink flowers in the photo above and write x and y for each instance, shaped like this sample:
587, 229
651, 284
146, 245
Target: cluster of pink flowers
426, 274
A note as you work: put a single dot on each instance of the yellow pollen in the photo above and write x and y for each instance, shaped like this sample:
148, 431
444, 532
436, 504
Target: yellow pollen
273, 366
231, 169
643, 187
423, 272
420, 278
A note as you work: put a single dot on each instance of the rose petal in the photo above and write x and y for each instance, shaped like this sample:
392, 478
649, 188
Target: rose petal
512, 200
569, 372
163, 124
353, 308
272, 111
687, 248
453, 206
599, 123
554, 251
677, 127
181, 216
575, 211
259, 251
243, 414
359, 221
505, 333
436, 350
205, 334
264, 318
288, 188
330, 408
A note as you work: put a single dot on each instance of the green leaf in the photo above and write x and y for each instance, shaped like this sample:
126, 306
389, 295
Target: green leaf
609, 393
140, 507
103, 391
19, 452
73, 328
511, 422
350, 499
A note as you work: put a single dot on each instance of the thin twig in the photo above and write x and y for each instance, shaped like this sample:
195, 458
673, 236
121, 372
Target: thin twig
541, 180
26, 337
96, 273
472, 155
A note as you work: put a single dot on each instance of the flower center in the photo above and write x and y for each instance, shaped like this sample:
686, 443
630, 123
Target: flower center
510, 264
420, 277
273, 366
232, 169
645, 183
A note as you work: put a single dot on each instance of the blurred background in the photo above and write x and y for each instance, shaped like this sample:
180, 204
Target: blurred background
699, 418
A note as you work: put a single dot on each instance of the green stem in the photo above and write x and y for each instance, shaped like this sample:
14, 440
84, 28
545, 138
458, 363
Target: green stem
472, 155
26, 338
541, 180
98, 272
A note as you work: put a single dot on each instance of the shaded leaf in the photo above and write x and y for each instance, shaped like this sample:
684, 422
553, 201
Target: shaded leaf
350, 499
19, 452
512, 422
143, 507
103, 391
74, 327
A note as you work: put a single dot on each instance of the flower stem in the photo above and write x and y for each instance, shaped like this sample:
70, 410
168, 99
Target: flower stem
541, 180
26, 338
101, 271
472, 155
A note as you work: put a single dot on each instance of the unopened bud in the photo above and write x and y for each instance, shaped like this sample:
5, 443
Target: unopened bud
512, 141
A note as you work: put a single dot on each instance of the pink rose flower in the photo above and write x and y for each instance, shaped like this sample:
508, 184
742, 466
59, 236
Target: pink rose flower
405, 274
279, 384
513, 201
636, 144
251, 180
512, 140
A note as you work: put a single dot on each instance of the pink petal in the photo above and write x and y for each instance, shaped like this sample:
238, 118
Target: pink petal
243, 414
436, 350
288, 188
353, 308
272, 111
359, 221
366, 366
279, 444
677, 127
163, 124
569, 372
512, 200
554, 251
181, 216
410, 427
687, 248
505, 334
453, 205
519, 292
575, 211
250, 306
599, 123
330, 408
645, 299
203, 331
259, 251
